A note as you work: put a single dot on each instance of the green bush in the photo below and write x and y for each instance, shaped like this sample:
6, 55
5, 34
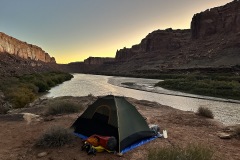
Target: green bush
61, 107
90, 95
191, 152
20, 96
205, 112
222, 86
22, 90
42, 86
50, 83
56, 136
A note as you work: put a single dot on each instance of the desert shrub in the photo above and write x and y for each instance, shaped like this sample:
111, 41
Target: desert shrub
23, 89
205, 112
56, 136
42, 86
191, 152
20, 96
7, 82
90, 95
61, 107
217, 85
50, 83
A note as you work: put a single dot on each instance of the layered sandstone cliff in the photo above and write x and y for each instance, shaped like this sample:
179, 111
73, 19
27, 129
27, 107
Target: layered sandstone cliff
161, 41
16, 47
219, 20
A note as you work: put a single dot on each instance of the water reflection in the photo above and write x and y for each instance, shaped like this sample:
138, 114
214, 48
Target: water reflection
82, 85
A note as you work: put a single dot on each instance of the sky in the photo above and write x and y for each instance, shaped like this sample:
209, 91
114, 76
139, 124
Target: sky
73, 30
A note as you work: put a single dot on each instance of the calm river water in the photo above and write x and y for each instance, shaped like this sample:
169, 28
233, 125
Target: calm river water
83, 84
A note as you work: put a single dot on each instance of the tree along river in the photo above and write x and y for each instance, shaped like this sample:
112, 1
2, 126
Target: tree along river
226, 111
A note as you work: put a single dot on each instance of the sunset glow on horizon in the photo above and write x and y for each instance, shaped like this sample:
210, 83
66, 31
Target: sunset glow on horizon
74, 30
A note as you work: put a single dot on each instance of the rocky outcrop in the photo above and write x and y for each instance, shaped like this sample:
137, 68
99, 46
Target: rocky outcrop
159, 42
220, 20
124, 54
97, 60
24, 50
12, 65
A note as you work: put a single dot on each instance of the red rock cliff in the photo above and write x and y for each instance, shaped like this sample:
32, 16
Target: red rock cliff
224, 19
14, 46
159, 41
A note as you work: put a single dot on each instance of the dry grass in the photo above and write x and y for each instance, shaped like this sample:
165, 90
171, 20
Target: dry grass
191, 152
205, 112
56, 136
62, 107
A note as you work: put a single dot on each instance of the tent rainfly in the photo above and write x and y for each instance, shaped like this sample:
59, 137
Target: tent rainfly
113, 116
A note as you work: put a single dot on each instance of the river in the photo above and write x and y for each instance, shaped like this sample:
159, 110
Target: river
226, 111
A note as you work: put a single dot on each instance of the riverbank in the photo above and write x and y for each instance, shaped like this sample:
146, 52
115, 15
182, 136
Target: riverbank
222, 85
18, 91
18, 138
208, 82
83, 85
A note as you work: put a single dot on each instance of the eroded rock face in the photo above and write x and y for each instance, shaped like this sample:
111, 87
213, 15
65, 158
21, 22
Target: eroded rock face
161, 41
224, 19
124, 54
13, 46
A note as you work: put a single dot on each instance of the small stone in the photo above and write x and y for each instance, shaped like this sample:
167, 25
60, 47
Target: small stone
224, 135
42, 154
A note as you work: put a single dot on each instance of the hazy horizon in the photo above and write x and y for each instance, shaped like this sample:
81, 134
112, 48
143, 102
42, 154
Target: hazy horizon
74, 30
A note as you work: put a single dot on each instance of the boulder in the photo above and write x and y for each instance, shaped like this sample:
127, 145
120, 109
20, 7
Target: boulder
42, 154
223, 135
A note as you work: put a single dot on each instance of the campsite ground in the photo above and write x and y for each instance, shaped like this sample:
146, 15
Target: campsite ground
18, 138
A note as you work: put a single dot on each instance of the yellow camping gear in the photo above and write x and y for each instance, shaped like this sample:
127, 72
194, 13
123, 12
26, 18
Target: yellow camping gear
99, 148
93, 141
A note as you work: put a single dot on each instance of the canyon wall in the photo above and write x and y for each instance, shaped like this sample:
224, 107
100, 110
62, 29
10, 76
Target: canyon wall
16, 47
159, 41
224, 19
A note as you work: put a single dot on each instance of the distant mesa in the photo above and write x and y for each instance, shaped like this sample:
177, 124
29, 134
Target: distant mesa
24, 50
160, 41
98, 60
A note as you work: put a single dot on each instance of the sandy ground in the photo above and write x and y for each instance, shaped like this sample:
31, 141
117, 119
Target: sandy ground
17, 139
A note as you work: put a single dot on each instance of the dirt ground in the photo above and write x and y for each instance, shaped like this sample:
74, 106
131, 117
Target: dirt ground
17, 138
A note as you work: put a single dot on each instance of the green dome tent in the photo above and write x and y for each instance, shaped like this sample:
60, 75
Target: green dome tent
113, 116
